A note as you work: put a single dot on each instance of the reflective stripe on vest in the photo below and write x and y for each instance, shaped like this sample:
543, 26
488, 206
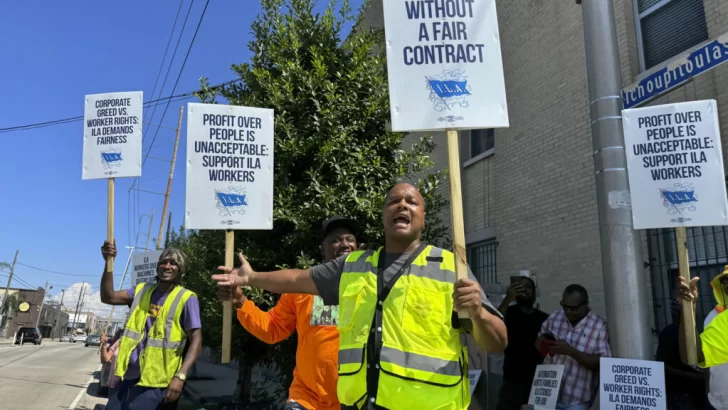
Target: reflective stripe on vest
162, 355
422, 361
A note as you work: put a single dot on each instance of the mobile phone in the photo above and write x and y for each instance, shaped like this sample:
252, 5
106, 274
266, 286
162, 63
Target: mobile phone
515, 279
549, 336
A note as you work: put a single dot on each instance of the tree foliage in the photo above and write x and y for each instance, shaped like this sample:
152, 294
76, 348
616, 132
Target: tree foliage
334, 153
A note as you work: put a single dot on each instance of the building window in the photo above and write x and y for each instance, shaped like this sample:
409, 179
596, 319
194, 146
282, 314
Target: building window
666, 28
481, 258
480, 141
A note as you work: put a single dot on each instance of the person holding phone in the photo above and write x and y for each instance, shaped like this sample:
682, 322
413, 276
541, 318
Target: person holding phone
577, 338
523, 323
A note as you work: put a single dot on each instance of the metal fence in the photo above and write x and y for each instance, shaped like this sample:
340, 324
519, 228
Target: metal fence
708, 251
482, 261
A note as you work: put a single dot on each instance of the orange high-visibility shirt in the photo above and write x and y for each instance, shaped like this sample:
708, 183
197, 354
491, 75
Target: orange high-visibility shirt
316, 372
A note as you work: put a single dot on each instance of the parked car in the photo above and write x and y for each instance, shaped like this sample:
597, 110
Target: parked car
93, 340
27, 335
66, 338
79, 337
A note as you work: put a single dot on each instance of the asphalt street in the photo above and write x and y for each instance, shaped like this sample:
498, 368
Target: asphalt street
50, 376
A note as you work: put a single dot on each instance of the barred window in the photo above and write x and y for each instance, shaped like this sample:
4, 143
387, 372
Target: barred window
482, 261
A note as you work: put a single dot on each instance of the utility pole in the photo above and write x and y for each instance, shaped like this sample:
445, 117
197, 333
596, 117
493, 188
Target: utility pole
78, 305
169, 225
40, 308
622, 261
7, 287
169, 181
149, 233
58, 315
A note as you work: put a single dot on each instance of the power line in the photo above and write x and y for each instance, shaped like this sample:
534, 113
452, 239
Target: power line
159, 101
189, 49
171, 61
166, 50
57, 273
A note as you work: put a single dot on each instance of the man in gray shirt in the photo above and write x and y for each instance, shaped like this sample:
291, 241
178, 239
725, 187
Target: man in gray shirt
396, 313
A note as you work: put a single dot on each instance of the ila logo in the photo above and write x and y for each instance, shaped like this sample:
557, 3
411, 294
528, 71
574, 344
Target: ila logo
448, 91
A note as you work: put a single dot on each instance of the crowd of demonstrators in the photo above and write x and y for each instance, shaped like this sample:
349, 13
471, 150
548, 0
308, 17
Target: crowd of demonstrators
577, 338
401, 344
712, 344
684, 385
315, 375
161, 339
523, 322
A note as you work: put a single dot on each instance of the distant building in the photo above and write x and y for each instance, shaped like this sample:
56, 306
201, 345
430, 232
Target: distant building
53, 321
25, 306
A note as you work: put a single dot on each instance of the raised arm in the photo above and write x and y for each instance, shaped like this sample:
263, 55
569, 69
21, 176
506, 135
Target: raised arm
108, 294
282, 281
272, 326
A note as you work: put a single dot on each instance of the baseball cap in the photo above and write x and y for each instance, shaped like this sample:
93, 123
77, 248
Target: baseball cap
335, 222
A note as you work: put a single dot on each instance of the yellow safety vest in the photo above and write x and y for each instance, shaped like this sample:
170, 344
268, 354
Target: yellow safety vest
162, 355
422, 362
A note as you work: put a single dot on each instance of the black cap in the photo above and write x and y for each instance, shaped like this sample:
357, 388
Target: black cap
340, 222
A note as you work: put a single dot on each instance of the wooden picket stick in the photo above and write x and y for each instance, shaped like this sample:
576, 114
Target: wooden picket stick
227, 306
688, 310
456, 211
110, 222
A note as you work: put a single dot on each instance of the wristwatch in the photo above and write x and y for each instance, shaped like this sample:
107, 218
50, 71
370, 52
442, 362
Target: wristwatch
181, 376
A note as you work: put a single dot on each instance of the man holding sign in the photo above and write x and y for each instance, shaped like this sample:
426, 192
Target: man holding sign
164, 317
396, 313
712, 344
315, 375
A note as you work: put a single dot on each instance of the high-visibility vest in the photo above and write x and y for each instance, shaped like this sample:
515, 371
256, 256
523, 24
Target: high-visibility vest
423, 360
162, 356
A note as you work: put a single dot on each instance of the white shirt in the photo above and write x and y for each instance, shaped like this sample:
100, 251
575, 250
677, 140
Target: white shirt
718, 394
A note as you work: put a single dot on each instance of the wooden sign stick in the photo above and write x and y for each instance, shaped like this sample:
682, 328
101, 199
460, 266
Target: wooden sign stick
227, 306
456, 210
110, 222
688, 310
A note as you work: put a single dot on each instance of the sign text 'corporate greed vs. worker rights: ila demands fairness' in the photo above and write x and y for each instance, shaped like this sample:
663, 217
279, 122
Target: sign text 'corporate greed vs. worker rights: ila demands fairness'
112, 140
229, 167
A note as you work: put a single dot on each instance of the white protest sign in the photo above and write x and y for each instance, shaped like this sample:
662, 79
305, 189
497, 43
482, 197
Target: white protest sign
627, 384
473, 377
112, 137
675, 165
445, 66
545, 386
229, 167
144, 268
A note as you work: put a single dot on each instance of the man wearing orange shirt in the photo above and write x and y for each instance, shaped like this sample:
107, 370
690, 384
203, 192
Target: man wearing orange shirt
316, 372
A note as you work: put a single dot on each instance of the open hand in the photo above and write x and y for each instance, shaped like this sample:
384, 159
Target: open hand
685, 290
467, 296
234, 277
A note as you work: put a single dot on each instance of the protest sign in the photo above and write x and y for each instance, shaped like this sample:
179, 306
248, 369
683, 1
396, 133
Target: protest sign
630, 384
675, 165
545, 386
229, 167
112, 138
445, 66
144, 268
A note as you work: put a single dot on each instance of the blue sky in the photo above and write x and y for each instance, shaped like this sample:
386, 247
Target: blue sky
54, 53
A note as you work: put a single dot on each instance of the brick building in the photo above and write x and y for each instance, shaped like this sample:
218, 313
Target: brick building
528, 190
27, 306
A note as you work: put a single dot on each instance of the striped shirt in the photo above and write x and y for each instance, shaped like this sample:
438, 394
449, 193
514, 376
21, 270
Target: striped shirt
578, 383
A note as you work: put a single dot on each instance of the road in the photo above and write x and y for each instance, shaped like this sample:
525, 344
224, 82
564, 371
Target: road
50, 376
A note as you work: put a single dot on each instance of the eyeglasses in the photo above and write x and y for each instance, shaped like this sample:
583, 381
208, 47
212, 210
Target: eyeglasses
573, 308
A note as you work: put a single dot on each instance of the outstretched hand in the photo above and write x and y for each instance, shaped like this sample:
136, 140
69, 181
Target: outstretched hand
234, 277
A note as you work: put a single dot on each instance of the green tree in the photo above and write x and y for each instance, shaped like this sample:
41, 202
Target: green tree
334, 155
